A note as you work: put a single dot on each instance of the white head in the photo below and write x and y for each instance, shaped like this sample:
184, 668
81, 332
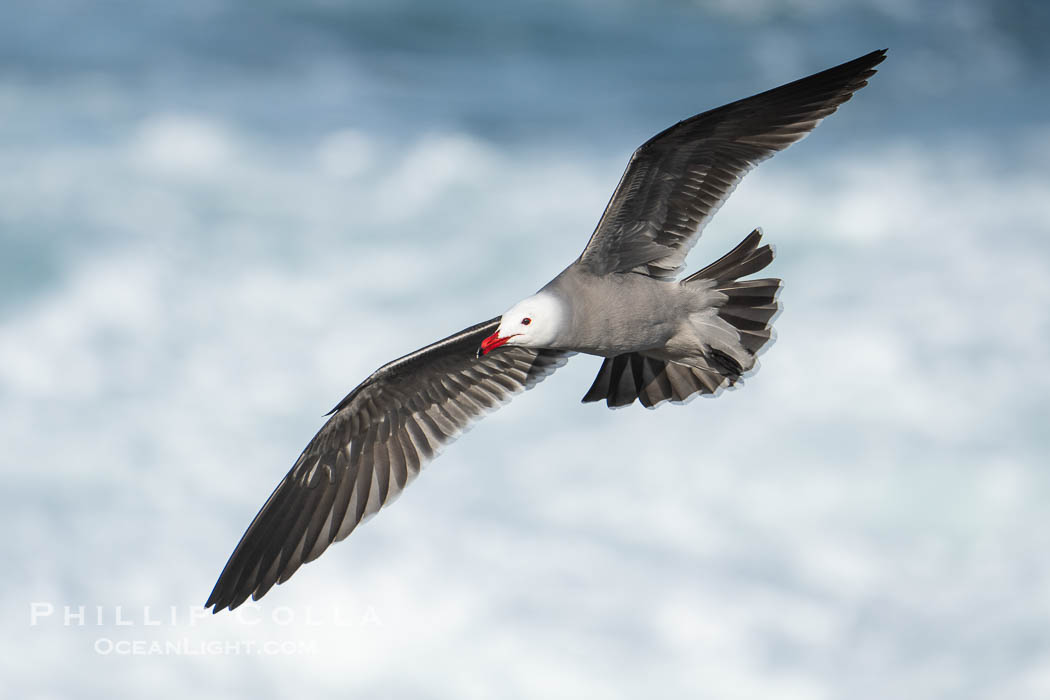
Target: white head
532, 323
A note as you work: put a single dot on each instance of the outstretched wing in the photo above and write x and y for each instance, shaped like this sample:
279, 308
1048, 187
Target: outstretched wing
678, 179
374, 444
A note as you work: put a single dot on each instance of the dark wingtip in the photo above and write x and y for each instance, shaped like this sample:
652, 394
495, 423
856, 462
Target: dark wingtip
869, 61
874, 58
214, 601
227, 601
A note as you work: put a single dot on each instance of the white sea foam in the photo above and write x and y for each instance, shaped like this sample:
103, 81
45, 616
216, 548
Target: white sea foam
870, 500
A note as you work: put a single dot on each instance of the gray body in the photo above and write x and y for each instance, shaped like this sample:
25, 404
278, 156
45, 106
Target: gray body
653, 314
623, 313
662, 340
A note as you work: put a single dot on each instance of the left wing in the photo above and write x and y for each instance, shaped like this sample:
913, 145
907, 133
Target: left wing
375, 443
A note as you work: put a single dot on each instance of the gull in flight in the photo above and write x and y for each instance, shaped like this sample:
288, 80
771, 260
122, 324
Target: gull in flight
663, 339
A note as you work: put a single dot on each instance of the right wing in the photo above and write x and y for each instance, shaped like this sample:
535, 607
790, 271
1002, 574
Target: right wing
679, 178
376, 441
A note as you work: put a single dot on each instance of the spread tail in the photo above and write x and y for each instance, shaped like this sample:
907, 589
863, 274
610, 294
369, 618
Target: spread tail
748, 309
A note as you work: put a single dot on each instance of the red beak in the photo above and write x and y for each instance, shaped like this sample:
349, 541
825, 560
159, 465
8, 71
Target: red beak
491, 343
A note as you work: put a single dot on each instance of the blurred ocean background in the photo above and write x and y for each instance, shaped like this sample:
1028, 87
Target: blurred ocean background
218, 216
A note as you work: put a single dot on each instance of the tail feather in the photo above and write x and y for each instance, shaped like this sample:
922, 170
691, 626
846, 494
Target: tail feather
751, 290
749, 308
746, 259
754, 340
760, 314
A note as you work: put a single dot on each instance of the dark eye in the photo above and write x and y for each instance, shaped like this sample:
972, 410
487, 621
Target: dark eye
526, 321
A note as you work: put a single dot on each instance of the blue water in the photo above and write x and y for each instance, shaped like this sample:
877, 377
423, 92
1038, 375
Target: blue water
217, 217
